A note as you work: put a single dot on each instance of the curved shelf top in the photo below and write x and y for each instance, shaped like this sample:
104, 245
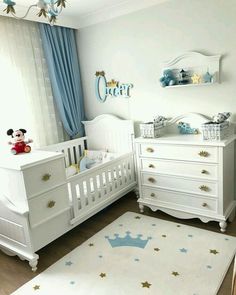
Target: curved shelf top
193, 55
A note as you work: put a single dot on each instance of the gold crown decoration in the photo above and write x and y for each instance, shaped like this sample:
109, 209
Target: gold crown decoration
102, 73
112, 83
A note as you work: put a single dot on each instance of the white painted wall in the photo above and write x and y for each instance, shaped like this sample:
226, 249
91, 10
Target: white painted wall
131, 49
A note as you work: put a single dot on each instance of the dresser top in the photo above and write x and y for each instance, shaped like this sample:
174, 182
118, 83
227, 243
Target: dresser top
186, 139
26, 160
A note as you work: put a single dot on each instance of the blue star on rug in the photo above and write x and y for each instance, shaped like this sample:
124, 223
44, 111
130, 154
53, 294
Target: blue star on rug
183, 250
68, 263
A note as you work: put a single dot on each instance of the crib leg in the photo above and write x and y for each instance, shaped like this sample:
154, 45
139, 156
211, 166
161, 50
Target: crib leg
136, 191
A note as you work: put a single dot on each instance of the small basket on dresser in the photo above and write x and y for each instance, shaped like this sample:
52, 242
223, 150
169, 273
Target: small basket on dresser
151, 129
214, 131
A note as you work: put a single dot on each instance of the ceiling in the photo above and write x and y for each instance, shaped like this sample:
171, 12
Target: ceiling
81, 13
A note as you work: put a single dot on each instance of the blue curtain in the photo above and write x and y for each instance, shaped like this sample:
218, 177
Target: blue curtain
60, 50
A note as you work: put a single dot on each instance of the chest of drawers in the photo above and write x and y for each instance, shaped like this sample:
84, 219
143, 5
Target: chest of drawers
34, 203
187, 177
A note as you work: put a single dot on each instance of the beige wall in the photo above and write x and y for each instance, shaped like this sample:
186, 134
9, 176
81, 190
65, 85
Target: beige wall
132, 48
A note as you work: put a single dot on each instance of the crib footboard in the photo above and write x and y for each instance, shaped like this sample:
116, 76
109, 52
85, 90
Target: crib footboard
96, 188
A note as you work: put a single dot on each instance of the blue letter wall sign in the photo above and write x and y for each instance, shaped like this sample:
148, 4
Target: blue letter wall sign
103, 89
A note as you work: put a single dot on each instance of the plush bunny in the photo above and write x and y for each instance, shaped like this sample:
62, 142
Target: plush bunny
221, 117
19, 143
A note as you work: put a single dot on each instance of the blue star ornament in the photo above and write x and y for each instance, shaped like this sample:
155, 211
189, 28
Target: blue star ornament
207, 77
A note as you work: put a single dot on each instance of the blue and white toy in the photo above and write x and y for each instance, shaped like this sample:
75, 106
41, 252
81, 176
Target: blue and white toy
168, 78
184, 128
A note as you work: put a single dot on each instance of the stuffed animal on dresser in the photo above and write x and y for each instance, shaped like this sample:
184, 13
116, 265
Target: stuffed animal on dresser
221, 117
19, 145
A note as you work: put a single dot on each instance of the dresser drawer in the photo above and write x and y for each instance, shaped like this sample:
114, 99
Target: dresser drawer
199, 170
179, 152
180, 184
42, 177
173, 200
48, 205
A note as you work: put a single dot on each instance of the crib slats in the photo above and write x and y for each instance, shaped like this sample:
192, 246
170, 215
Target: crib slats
75, 205
93, 189
102, 184
67, 162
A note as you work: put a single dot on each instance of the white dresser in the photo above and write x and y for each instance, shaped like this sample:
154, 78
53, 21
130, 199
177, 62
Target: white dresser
187, 177
34, 203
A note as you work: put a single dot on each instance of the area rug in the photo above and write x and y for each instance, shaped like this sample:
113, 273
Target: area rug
137, 254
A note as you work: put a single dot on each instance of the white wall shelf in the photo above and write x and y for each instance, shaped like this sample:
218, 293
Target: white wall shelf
194, 63
191, 85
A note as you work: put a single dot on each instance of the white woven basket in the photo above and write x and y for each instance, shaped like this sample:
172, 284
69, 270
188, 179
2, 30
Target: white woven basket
216, 131
150, 130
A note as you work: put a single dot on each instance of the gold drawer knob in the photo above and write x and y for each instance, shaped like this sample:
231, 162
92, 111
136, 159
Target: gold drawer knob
151, 179
152, 195
150, 150
204, 204
203, 154
204, 171
51, 204
151, 166
46, 177
204, 188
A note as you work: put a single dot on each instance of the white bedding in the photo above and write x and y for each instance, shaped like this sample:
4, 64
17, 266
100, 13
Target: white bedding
97, 157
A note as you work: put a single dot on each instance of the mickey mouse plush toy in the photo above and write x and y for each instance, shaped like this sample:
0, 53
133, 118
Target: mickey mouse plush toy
19, 144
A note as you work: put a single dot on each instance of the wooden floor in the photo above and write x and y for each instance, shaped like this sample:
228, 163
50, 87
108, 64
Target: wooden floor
14, 272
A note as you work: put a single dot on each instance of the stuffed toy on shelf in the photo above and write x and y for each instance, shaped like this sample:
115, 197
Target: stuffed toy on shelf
19, 145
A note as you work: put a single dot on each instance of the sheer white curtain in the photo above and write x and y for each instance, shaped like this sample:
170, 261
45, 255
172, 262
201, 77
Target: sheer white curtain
26, 99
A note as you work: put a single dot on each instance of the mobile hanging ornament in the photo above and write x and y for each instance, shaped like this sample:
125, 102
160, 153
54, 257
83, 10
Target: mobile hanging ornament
103, 89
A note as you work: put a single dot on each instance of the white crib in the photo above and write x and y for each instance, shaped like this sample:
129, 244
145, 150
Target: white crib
43, 203
92, 190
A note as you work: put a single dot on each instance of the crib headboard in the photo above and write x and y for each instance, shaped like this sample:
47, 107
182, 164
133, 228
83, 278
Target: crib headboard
108, 132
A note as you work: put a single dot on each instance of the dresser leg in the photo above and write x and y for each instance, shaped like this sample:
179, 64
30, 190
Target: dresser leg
223, 225
141, 208
33, 262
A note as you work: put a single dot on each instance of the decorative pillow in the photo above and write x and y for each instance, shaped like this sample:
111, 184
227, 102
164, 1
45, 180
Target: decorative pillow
106, 157
92, 158
86, 163
96, 156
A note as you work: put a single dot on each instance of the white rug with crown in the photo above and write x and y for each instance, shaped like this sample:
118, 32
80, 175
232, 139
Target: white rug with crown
137, 254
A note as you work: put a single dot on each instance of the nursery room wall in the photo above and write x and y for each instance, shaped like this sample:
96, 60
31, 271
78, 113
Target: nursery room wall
132, 48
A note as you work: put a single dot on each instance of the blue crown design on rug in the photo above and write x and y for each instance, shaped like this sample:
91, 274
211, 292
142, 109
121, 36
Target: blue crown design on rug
128, 241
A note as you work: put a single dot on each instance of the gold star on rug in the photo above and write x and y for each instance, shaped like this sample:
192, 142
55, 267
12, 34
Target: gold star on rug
146, 284
91, 245
137, 217
102, 275
196, 79
156, 249
213, 251
175, 273
36, 287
